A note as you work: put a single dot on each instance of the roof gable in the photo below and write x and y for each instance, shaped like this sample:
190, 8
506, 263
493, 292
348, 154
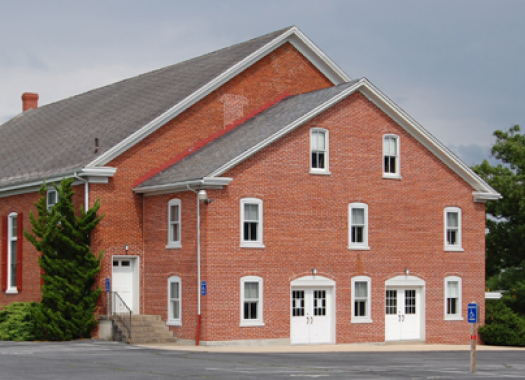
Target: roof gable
61, 136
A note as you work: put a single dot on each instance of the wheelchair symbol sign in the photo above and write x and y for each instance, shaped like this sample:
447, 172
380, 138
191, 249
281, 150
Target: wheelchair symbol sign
473, 313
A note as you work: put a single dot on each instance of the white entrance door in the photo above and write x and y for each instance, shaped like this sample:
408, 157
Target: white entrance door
311, 319
123, 280
403, 314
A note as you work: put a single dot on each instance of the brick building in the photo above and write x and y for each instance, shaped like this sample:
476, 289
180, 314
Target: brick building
326, 213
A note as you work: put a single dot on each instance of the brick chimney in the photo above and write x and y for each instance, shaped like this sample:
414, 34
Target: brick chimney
29, 100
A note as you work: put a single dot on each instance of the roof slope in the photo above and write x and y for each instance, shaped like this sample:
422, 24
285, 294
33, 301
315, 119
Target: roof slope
60, 137
226, 148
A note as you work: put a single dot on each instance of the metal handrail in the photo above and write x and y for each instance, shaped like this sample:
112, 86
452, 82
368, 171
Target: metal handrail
121, 311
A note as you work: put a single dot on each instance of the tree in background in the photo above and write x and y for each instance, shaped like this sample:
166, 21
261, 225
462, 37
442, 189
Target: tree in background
67, 308
505, 241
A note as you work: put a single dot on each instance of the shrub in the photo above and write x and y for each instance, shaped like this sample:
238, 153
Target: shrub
503, 327
17, 322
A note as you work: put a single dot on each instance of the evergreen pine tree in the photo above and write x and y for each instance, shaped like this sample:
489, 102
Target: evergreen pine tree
67, 308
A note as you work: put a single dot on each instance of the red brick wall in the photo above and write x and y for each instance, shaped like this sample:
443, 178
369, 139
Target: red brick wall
306, 226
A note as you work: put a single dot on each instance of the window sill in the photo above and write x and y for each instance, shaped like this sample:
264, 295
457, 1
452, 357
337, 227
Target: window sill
364, 320
252, 245
320, 172
174, 246
359, 248
174, 323
11, 291
392, 176
454, 249
252, 324
453, 318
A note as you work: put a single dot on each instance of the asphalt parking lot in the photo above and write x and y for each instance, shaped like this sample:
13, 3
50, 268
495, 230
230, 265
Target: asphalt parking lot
106, 360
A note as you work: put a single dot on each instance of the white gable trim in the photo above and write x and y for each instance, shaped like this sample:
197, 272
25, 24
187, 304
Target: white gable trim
483, 192
293, 35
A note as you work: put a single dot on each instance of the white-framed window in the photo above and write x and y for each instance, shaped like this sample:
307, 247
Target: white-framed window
252, 222
361, 296
252, 301
453, 292
52, 198
391, 167
453, 229
174, 301
174, 230
358, 226
12, 252
319, 151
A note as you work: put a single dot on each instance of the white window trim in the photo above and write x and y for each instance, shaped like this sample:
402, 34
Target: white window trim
458, 316
457, 247
358, 246
171, 243
252, 243
397, 174
368, 317
174, 322
326, 169
49, 206
252, 322
10, 289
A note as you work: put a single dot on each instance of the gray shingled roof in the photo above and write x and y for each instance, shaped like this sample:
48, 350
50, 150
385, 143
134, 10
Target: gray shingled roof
247, 135
60, 137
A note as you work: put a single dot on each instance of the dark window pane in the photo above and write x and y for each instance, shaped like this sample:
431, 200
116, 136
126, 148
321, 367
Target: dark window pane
360, 308
357, 234
250, 231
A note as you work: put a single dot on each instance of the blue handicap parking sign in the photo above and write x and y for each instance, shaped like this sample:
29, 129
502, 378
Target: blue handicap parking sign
203, 288
473, 313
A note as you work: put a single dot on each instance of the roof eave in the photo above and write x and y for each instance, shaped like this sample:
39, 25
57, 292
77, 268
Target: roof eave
177, 187
292, 35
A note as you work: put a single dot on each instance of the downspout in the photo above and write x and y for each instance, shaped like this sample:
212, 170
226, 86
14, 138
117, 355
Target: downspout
197, 332
86, 190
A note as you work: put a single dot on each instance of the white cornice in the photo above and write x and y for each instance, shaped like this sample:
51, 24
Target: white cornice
293, 35
177, 187
34, 184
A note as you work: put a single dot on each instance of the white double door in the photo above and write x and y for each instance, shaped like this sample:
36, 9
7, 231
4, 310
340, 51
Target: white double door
311, 315
403, 314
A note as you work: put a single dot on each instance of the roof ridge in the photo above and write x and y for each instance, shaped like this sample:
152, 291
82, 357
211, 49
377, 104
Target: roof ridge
203, 142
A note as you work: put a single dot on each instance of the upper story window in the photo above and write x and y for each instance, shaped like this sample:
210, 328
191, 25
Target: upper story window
453, 290
251, 301
174, 301
358, 223
52, 198
361, 291
251, 222
319, 151
174, 230
391, 156
12, 252
453, 229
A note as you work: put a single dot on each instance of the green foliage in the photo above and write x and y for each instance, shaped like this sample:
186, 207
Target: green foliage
67, 308
17, 323
503, 327
506, 218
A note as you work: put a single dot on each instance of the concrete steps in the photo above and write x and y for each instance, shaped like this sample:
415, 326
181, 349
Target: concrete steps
146, 329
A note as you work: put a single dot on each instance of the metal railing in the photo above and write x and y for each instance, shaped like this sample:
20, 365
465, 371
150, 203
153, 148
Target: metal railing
120, 311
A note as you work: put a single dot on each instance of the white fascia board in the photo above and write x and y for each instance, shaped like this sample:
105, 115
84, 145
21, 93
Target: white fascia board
485, 197
427, 140
320, 60
34, 184
177, 187
290, 127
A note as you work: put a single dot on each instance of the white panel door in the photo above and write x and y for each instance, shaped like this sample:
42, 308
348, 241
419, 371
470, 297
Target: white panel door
403, 314
123, 280
311, 316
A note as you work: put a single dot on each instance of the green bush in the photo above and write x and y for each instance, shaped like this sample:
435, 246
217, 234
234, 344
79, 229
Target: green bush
515, 298
17, 322
503, 327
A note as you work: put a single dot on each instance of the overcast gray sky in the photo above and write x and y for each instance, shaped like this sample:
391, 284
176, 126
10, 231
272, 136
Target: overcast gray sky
457, 66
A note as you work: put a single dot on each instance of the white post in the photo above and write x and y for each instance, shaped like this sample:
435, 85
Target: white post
198, 270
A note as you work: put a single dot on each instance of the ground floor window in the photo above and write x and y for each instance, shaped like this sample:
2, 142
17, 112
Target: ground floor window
361, 289
174, 300
453, 297
251, 301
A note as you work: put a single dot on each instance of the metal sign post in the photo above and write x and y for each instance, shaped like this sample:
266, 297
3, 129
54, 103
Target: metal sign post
473, 318
107, 291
